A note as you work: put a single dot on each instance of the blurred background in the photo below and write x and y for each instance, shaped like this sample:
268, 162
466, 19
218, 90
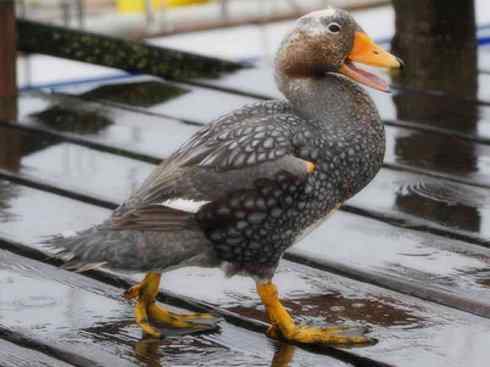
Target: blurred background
137, 18
239, 30
80, 137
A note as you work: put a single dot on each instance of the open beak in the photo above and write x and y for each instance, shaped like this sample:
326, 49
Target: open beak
365, 51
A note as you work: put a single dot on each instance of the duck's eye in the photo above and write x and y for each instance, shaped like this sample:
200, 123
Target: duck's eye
334, 28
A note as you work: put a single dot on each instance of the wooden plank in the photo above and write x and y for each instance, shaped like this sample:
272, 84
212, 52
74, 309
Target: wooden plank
441, 155
251, 351
235, 339
459, 283
421, 345
471, 156
414, 200
8, 82
455, 118
420, 201
410, 330
159, 138
207, 103
87, 323
52, 316
13, 355
259, 83
450, 157
459, 115
462, 163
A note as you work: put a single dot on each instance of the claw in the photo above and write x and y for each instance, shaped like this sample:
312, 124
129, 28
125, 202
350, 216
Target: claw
132, 292
147, 311
284, 327
194, 321
141, 316
330, 336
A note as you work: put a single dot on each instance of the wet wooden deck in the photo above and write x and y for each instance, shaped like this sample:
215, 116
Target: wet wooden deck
409, 256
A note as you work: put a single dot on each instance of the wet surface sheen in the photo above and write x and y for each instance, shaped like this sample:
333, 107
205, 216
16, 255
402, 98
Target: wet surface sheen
400, 195
458, 159
314, 296
429, 242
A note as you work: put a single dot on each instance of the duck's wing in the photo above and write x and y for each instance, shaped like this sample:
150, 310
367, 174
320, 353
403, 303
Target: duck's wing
229, 155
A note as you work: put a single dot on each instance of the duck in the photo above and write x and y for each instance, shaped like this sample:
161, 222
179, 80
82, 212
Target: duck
254, 182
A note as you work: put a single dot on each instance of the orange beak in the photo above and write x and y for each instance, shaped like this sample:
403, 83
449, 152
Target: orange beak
365, 51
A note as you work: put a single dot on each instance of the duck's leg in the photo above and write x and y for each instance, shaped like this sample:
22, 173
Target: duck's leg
145, 292
283, 356
283, 325
147, 310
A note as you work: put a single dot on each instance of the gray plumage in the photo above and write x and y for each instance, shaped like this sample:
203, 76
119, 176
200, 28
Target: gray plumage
250, 167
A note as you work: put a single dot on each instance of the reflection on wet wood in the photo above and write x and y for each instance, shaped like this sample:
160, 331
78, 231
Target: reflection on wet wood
457, 288
82, 154
401, 185
310, 290
108, 197
90, 298
419, 201
11, 146
8, 109
143, 94
296, 282
66, 308
333, 308
99, 190
14, 355
443, 155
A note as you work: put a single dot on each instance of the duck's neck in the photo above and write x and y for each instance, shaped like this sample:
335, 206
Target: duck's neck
331, 99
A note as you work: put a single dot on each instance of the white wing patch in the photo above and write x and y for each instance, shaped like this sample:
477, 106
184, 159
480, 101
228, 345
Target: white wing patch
190, 206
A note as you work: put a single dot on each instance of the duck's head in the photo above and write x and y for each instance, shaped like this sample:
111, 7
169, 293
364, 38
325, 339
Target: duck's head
330, 41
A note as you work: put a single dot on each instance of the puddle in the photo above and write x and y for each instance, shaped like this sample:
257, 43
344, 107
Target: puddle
408, 196
437, 152
139, 94
444, 192
446, 204
333, 308
66, 119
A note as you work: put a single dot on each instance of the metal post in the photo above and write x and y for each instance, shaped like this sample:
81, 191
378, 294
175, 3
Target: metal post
65, 9
7, 49
10, 146
150, 16
80, 10
438, 44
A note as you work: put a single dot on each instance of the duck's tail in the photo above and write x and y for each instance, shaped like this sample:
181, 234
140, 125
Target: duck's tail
132, 250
